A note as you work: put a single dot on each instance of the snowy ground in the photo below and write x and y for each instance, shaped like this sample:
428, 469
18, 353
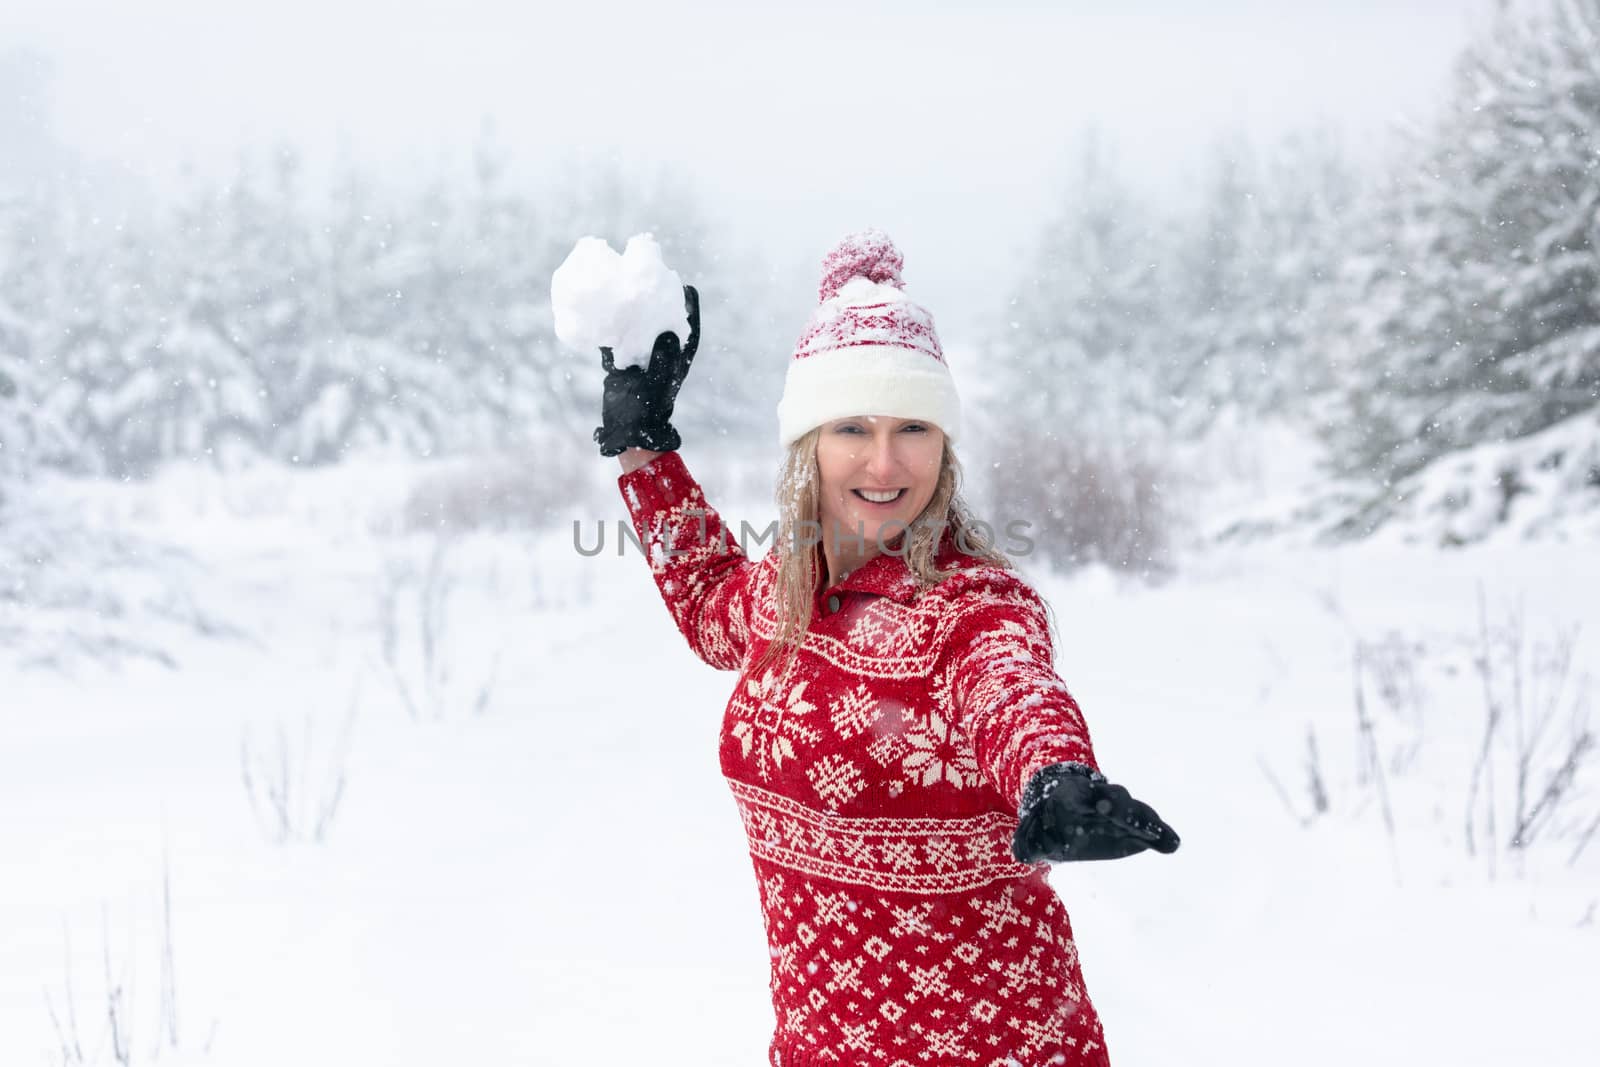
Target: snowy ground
539, 864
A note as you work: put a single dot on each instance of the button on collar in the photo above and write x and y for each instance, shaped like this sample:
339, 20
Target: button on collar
833, 602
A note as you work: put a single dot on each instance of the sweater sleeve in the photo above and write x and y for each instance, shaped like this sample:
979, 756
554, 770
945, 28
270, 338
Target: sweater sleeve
703, 578
1003, 685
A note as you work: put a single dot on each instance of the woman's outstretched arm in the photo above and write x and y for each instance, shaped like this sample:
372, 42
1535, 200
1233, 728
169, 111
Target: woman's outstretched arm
999, 664
1030, 737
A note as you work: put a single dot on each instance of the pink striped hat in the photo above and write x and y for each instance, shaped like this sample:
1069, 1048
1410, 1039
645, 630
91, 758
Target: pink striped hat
866, 350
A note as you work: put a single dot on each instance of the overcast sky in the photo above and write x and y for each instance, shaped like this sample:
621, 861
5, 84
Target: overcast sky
945, 124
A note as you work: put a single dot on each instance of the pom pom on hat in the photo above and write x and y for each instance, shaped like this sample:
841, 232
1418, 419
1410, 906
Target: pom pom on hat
869, 254
866, 349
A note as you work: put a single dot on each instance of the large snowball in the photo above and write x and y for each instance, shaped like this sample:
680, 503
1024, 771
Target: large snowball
621, 302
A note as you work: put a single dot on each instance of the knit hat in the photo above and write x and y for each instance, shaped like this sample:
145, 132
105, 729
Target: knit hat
866, 350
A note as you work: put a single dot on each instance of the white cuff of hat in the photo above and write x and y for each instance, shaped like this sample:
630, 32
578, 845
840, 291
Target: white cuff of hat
901, 383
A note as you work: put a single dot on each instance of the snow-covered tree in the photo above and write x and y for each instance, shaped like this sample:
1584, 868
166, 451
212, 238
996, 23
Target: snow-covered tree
43, 289
1073, 407
1137, 313
1250, 305
13, 345
1475, 306
1086, 326
14, 330
251, 318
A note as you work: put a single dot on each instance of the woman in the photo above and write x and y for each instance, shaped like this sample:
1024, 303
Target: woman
902, 753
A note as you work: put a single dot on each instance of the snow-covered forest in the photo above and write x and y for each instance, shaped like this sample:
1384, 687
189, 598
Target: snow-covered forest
320, 743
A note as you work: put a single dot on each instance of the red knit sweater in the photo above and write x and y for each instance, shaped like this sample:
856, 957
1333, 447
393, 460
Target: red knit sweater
878, 779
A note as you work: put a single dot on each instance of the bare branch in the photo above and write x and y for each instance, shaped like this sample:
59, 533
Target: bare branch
1283, 794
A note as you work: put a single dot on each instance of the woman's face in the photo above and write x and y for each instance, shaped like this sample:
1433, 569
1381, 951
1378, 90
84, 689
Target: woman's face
878, 456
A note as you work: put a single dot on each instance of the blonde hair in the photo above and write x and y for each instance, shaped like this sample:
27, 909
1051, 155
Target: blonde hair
799, 500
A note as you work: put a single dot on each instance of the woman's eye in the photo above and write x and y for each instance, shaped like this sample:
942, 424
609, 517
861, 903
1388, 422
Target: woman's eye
915, 426
847, 428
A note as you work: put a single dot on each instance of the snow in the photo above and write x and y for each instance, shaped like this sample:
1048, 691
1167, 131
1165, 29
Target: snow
1544, 486
559, 876
622, 302
859, 290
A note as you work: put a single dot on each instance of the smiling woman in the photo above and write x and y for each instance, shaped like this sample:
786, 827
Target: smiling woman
878, 473
904, 758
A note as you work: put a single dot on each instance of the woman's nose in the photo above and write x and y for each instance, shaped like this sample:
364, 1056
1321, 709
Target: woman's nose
881, 460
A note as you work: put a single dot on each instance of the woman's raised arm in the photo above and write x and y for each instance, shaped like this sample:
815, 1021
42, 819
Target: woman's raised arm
701, 569
701, 575
634, 458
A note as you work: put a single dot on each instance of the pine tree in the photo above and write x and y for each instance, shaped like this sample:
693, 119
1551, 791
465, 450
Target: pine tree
1066, 429
1248, 293
14, 348
247, 320
1475, 313
1087, 328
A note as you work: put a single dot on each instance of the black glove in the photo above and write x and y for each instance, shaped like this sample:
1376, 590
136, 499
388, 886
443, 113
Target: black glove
637, 404
1070, 812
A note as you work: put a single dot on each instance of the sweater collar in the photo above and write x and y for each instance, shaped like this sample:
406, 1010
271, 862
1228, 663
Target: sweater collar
888, 574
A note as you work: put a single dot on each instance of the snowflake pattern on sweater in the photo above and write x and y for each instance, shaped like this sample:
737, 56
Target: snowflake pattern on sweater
878, 776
